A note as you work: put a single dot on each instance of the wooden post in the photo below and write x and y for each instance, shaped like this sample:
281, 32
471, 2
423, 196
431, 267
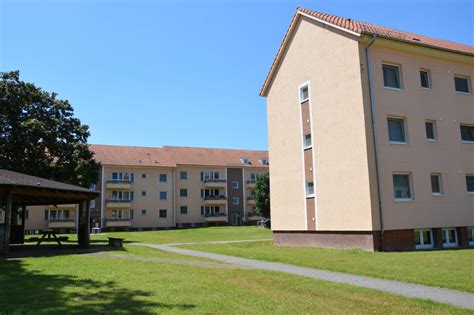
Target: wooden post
23, 219
6, 231
83, 224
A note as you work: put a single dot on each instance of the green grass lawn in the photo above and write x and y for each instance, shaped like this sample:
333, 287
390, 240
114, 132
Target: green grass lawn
449, 268
209, 234
78, 284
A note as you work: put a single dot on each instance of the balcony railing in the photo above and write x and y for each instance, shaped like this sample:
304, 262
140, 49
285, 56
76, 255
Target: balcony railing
62, 220
117, 219
118, 181
119, 200
215, 180
215, 215
218, 197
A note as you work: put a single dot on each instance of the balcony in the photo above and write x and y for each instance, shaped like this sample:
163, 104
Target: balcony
251, 183
118, 203
215, 217
252, 216
215, 183
215, 200
118, 222
118, 184
250, 200
61, 223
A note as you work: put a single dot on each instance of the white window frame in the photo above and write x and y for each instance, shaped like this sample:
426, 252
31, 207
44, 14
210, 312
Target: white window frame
300, 89
235, 201
159, 196
470, 231
469, 87
263, 161
422, 241
235, 184
181, 173
405, 129
448, 244
245, 160
440, 183
310, 145
430, 85
410, 181
92, 204
435, 130
460, 134
400, 76
465, 179
166, 178
144, 175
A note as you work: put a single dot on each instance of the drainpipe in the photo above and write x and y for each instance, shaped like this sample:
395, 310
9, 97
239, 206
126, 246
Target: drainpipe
374, 138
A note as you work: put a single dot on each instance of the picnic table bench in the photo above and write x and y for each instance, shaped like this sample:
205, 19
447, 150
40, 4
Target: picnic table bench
49, 235
116, 242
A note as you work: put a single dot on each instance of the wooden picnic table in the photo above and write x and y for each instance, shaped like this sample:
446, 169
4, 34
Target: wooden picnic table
48, 235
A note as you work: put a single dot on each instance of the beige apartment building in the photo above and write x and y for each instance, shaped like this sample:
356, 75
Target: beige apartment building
377, 149
155, 188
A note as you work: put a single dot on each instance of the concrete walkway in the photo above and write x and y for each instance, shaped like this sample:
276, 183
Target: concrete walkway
440, 295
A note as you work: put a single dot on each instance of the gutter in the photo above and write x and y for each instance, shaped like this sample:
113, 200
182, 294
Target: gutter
374, 138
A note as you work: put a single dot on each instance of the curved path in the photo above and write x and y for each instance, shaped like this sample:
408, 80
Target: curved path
440, 295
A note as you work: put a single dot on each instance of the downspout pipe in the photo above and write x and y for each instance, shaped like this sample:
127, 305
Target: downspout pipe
374, 138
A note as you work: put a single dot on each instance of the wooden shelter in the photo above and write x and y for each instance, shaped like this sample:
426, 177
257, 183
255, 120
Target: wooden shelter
17, 191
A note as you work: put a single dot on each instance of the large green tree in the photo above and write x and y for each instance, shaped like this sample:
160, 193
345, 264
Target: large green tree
262, 195
40, 136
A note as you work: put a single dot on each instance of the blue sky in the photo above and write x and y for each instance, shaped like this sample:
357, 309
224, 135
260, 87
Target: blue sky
152, 73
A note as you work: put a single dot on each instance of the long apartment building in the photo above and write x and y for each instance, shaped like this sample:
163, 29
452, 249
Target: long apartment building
151, 188
377, 149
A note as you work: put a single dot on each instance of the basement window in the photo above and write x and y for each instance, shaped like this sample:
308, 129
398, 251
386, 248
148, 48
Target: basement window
450, 237
423, 239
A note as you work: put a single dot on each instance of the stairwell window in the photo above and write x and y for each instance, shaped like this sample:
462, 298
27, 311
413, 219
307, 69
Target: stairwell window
450, 237
462, 84
391, 76
467, 133
423, 239
396, 130
436, 184
470, 184
235, 201
304, 93
309, 189
183, 210
402, 187
431, 132
307, 141
425, 79
163, 213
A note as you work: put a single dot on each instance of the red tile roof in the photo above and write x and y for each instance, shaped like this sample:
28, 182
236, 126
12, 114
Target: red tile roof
372, 29
171, 156
361, 28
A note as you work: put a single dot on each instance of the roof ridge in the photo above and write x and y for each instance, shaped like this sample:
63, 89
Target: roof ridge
207, 148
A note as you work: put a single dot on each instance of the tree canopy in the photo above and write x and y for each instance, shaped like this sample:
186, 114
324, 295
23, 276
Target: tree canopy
40, 136
262, 195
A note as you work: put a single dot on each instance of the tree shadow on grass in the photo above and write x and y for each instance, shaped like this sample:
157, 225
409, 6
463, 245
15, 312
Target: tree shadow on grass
28, 291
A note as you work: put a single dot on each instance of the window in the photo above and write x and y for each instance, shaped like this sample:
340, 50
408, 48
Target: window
423, 239
235, 184
467, 133
92, 186
235, 200
210, 210
143, 193
263, 161
307, 141
209, 176
391, 76
310, 189
183, 192
461, 84
245, 160
304, 93
163, 213
396, 130
130, 214
183, 175
425, 79
470, 184
450, 237
92, 204
144, 175
163, 178
470, 233
183, 210
45, 216
120, 176
117, 214
402, 187
253, 177
202, 210
436, 187
122, 195
143, 211
431, 132
163, 195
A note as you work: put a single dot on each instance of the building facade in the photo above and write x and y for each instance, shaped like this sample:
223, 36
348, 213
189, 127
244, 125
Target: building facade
378, 146
157, 188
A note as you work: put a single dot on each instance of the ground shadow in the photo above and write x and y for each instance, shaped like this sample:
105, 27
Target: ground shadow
27, 291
